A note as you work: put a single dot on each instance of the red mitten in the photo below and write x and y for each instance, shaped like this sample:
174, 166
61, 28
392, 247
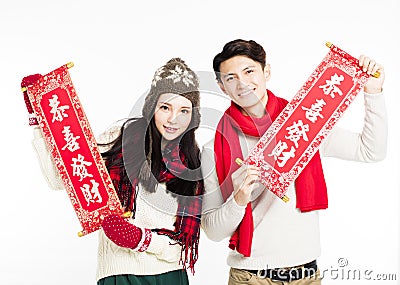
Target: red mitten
124, 234
28, 80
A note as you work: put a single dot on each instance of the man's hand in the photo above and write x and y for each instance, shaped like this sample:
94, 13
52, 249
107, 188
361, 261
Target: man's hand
244, 181
373, 85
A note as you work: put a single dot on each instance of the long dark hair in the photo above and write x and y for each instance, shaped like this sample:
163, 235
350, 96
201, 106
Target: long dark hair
128, 153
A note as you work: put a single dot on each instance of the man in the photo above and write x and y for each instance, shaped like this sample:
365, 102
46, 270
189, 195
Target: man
272, 241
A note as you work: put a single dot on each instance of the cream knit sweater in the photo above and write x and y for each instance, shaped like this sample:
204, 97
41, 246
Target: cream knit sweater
283, 236
153, 210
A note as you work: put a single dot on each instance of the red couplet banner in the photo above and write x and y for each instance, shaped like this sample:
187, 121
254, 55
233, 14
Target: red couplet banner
74, 149
294, 137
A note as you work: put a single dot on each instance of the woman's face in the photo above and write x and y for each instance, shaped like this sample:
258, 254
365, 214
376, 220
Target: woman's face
172, 115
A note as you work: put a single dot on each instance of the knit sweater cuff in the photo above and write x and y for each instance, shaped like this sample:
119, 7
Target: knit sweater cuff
145, 241
373, 94
37, 133
234, 207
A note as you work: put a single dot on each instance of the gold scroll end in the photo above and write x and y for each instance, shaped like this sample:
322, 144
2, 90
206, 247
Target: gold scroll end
127, 214
23, 89
285, 198
70, 65
238, 161
329, 44
80, 234
376, 74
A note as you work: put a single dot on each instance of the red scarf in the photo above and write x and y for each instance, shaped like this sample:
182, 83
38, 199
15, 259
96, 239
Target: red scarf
188, 215
311, 192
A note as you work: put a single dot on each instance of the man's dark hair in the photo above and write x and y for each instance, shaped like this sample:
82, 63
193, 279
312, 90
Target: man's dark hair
250, 49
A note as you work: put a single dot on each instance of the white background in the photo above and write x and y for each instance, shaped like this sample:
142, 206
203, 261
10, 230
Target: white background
116, 47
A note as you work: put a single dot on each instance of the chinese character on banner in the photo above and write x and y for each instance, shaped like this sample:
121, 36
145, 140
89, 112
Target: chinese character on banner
71, 140
56, 110
280, 155
91, 194
79, 167
330, 87
74, 149
295, 136
313, 112
297, 131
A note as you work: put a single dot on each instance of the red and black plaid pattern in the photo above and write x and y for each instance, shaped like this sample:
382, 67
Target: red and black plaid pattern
174, 162
125, 190
187, 225
188, 216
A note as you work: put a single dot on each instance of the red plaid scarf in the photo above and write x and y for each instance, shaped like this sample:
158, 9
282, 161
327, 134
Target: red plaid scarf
311, 192
188, 215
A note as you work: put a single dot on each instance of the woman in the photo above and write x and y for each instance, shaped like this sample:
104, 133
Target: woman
155, 167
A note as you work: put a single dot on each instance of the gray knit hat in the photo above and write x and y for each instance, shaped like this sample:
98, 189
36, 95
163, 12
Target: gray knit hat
174, 77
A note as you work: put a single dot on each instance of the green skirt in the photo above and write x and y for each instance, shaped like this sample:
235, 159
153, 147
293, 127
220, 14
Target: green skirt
177, 277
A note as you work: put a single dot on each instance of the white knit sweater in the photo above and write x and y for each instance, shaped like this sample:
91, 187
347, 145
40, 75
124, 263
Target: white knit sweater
153, 210
283, 236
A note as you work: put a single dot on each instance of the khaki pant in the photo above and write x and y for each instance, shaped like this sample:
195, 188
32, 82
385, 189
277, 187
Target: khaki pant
240, 277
